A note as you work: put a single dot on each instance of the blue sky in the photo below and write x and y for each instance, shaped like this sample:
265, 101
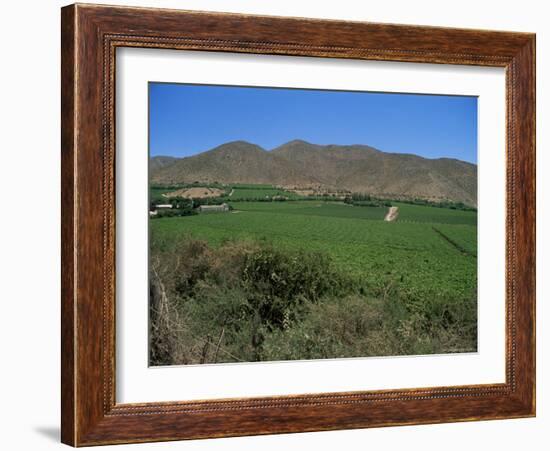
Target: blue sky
188, 119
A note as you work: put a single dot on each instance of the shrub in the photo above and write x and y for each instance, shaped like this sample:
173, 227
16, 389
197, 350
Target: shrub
249, 301
282, 282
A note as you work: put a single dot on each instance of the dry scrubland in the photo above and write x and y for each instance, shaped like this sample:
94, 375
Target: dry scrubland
309, 279
355, 168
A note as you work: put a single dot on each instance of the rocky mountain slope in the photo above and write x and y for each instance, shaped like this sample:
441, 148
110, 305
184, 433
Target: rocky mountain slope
357, 168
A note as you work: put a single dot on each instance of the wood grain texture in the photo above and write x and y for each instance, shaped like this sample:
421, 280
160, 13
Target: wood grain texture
90, 36
68, 312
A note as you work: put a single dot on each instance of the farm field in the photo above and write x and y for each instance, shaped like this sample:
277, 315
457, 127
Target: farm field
313, 208
421, 213
411, 253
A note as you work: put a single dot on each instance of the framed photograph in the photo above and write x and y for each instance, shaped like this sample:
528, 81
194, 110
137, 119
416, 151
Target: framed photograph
278, 225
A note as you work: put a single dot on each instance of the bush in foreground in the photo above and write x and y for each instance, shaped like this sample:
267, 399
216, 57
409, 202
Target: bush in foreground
246, 301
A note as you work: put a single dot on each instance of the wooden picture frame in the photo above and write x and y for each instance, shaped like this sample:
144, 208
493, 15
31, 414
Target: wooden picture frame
90, 36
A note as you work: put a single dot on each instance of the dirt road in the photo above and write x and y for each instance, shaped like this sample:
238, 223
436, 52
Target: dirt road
392, 214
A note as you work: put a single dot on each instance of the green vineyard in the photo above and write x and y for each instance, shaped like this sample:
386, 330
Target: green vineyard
409, 250
284, 279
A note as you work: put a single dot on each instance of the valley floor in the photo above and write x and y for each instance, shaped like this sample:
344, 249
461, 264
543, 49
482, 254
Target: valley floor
411, 283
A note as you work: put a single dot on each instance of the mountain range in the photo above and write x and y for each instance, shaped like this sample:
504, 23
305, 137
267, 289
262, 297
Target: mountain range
357, 168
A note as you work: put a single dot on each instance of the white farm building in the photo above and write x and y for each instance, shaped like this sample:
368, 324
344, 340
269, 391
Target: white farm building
213, 208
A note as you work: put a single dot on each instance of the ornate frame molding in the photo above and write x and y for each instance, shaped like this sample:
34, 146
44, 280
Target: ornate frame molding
90, 36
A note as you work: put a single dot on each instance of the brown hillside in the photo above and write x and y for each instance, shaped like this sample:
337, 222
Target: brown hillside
234, 162
357, 168
157, 163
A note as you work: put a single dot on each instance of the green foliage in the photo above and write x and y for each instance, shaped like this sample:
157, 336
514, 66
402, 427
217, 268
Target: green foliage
156, 195
248, 301
356, 239
259, 193
180, 207
440, 204
429, 214
209, 201
313, 279
367, 203
367, 200
464, 237
245, 290
181, 203
283, 281
319, 208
